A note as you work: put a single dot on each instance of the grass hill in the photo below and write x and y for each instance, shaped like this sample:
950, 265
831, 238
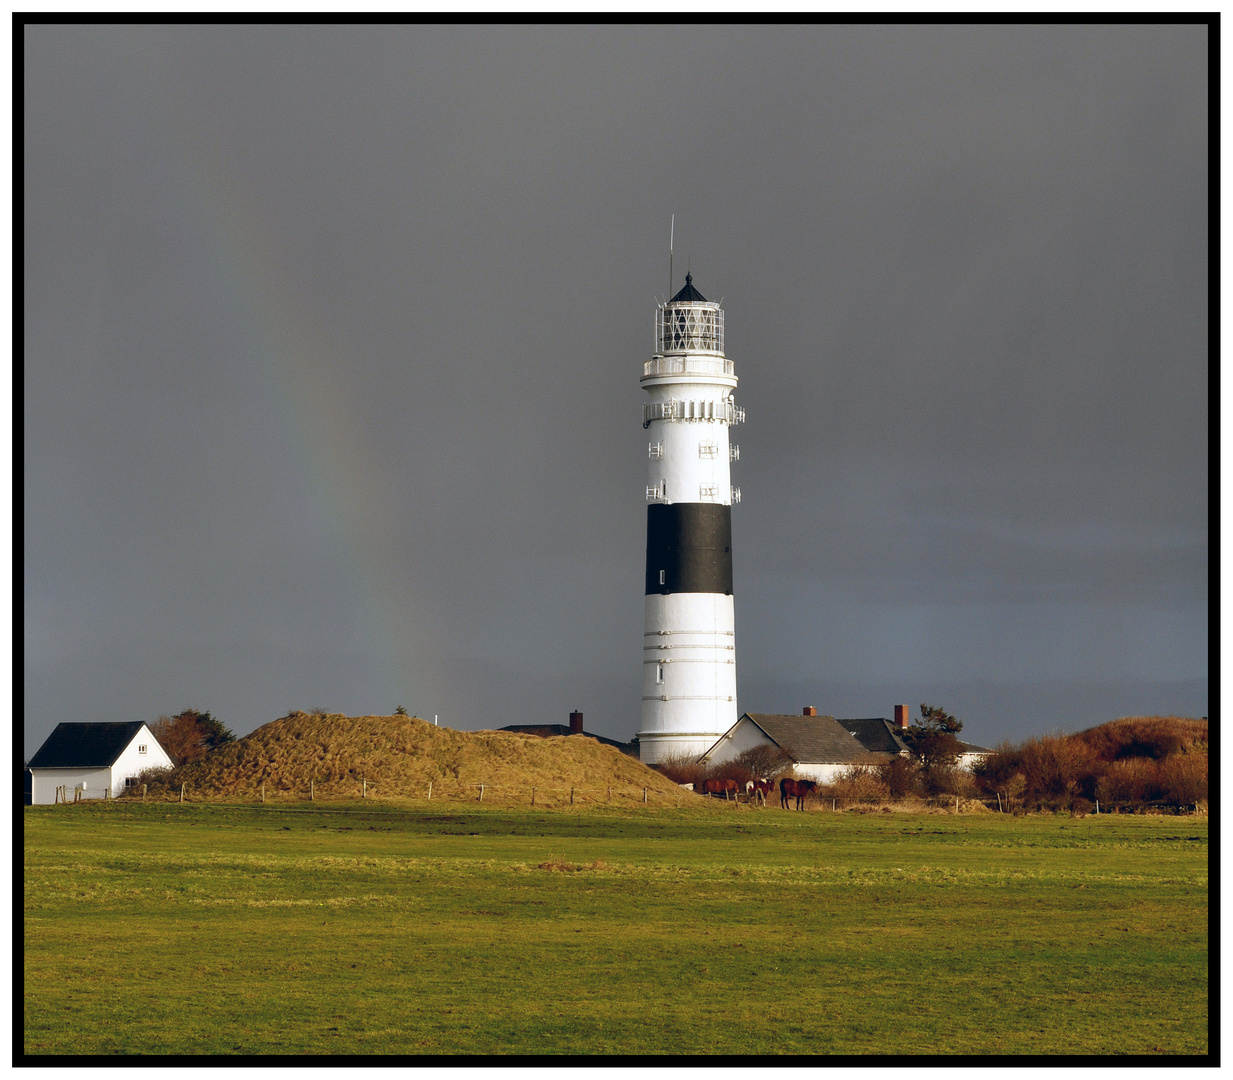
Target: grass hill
1154, 737
1136, 761
399, 756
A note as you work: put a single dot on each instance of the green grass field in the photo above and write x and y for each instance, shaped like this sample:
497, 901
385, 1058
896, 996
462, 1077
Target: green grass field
370, 928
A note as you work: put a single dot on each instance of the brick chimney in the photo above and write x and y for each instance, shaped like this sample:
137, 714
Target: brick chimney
809, 710
901, 717
575, 723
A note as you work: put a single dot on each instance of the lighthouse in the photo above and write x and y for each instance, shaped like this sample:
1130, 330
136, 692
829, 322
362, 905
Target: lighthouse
689, 639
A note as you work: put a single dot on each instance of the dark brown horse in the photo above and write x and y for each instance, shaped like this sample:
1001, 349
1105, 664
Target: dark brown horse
798, 789
726, 788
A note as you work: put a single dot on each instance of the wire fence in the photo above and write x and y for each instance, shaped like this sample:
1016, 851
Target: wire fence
613, 794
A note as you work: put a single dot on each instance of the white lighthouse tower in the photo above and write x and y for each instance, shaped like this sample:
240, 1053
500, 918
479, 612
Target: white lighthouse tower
689, 644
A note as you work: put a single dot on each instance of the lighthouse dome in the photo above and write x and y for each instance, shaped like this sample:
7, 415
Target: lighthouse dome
689, 323
688, 295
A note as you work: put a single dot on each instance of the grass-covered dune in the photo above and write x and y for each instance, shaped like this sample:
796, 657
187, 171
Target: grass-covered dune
399, 756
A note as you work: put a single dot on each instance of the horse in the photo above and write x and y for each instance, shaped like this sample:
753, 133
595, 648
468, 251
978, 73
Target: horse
727, 788
798, 789
761, 788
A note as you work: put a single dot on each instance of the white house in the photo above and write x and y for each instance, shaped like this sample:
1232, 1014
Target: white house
95, 759
820, 746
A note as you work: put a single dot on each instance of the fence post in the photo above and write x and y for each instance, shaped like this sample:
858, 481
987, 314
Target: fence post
312, 791
644, 796
263, 792
832, 806
999, 795
610, 793
364, 788
143, 793
571, 796
1098, 806
430, 791
533, 796
481, 792
182, 793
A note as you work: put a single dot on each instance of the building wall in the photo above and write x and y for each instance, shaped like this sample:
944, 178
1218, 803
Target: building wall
821, 771
93, 782
743, 736
132, 761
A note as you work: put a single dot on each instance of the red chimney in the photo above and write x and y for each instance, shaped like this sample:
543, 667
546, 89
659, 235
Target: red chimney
901, 717
575, 723
809, 710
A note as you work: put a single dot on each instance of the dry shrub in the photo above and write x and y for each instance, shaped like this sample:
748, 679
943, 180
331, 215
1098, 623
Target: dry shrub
761, 763
1183, 779
901, 777
1133, 780
682, 768
1049, 772
859, 781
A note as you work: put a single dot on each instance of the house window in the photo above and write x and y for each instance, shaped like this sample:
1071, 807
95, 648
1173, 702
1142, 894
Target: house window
659, 673
661, 577
141, 749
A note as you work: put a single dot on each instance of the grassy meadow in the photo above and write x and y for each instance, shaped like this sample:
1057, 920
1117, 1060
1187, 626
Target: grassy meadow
411, 928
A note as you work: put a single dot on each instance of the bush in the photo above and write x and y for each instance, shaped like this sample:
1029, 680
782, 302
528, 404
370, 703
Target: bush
190, 735
157, 781
860, 781
1049, 772
900, 776
682, 768
1183, 779
1130, 781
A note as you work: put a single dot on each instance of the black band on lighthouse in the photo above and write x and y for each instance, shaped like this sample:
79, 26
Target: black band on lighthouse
689, 548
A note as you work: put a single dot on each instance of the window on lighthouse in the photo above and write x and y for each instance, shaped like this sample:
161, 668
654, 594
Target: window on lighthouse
659, 673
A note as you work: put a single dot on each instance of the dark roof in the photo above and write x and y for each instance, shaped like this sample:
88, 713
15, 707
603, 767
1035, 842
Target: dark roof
77, 746
810, 739
545, 731
689, 294
877, 734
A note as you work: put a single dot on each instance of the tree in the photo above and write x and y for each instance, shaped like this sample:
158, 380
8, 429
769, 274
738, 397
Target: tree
763, 762
933, 741
400, 711
190, 735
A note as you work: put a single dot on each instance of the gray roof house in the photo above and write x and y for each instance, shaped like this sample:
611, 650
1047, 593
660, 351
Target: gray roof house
92, 760
877, 734
820, 746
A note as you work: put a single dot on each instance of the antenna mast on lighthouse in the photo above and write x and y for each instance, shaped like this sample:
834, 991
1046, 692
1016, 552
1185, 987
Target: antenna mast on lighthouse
671, 230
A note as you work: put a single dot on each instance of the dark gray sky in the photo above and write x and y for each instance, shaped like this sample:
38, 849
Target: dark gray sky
333, 337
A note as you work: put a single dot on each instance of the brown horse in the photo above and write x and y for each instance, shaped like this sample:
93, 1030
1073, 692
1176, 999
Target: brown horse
760, 788
798, 789
726, 788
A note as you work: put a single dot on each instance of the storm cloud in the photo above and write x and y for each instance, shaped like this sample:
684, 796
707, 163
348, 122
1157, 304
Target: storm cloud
332, 339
